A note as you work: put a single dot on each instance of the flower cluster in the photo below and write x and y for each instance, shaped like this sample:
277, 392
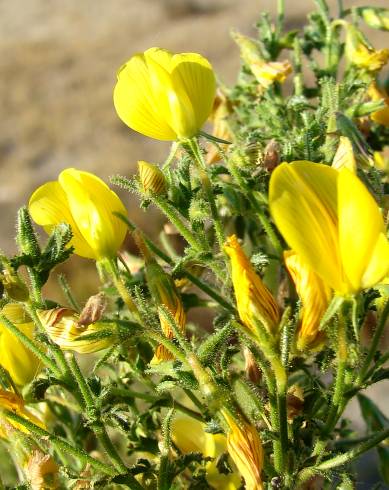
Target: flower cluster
223, 354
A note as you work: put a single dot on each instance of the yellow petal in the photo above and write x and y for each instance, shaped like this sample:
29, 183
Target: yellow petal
19, 361
192, 74
49, 207
360, 226
315, 297
378, 267
375, 94
135, 103
92, 203
303, 203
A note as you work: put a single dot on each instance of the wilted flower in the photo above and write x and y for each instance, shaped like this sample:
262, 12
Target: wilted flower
63, 327
151, 178
251, 368
315, 296
375, 94
332, 222
163, 95
245, 448
15, 357
360, 54
266, 73
88, 205
41, 471
254, 301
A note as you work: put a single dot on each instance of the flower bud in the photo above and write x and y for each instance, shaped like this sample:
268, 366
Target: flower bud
63, 327
315, 297
375, 17
16, 358
151, 178
13, 285
294, 401
245, 448
41, 471
360, 54
254, 301
375, 94
163, 292
344, 156
266, 73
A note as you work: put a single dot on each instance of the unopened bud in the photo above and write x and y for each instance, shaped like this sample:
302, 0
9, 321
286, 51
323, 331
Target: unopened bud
254, 301
42, 471
151, 178
93, 309
13, 285
375, 17
294, 401
245, 448
26, 236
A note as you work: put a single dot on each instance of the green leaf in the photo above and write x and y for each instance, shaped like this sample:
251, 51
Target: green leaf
372, 415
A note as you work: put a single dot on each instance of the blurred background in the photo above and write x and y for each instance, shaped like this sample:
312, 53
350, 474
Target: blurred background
58, 61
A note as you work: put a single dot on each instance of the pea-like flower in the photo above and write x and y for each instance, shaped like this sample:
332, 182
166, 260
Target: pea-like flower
329, 218
87, 204
19, 361
163, 95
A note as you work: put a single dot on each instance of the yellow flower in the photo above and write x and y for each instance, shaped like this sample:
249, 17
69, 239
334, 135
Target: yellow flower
62, 325
344, 156
254, 301
19, 361
245, 448
332, 222
163, 95
360, 54
266, 73
87, 204
189, 435
14, 403
315, 296
375, 94
151, 177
